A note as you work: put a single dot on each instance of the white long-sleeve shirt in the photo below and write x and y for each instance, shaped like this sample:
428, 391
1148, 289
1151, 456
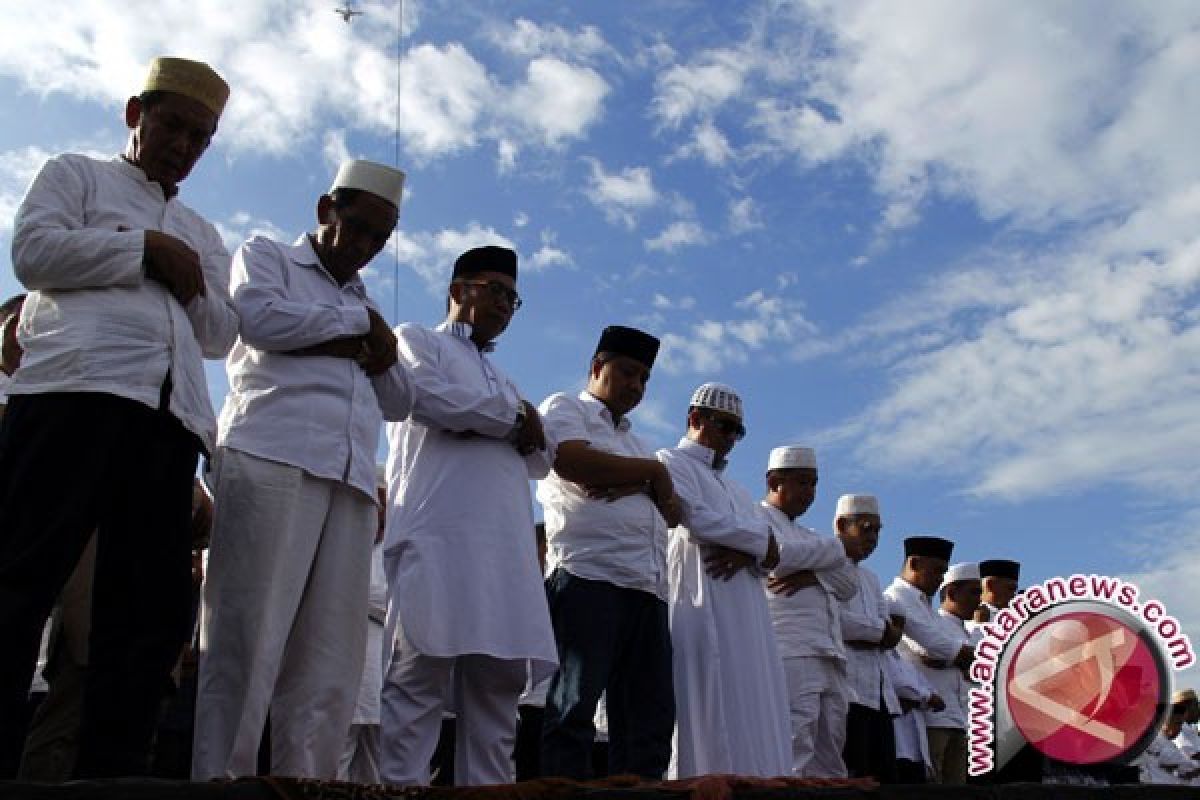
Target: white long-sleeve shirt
808, 623
730, 691
319, 413
93, 321
463, 575
924, 632
911, 740
623, 542
863, 619
949, 682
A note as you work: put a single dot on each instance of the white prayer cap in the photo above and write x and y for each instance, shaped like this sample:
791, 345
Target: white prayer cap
719, 397
849, 504
966, 571
378, 179
792, 456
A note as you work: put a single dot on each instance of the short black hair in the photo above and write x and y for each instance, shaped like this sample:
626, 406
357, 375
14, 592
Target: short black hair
151, 98
12, 304
343, 197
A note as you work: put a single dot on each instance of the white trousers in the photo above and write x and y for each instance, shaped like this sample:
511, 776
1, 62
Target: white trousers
360, 758
483, 692
817, 701
283, 621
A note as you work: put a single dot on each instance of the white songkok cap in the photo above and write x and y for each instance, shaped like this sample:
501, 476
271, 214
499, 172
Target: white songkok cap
378, 179
792, 456
719, 397
967, 571
849, 504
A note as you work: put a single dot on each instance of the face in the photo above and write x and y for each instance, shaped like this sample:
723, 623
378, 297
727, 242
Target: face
861, 532
619, 383
717, 430
169, 137
998, 591
485, 300
350, 236
927, 572
795, 489
963, 597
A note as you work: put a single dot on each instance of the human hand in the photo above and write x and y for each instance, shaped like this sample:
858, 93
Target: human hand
377, 353
788, 585
174, 264
722, 563
530, 436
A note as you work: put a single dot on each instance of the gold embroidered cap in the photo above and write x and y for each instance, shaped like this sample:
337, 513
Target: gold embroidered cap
193, 79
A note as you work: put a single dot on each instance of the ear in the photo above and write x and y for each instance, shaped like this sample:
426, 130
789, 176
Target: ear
325, 210
133, 112
594, 369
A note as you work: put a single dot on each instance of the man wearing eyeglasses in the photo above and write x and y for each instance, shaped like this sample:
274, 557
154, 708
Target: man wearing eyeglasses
466, 605
730, 693
608, 505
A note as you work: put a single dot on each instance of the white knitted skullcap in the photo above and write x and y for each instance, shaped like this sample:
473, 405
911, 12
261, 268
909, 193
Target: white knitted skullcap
718, 397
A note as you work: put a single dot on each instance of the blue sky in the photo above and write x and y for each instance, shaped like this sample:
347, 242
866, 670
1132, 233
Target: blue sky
951, 245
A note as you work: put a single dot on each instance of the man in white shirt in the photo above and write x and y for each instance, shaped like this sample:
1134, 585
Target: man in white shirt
466, 605
283, 623
804, 601
870, 633
128, 293
730, 691
947, 728
607, 506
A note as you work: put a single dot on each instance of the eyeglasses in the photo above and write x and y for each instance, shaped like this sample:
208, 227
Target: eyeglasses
499, 290
729, 427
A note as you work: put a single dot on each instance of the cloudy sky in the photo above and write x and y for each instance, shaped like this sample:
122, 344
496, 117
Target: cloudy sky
952, 245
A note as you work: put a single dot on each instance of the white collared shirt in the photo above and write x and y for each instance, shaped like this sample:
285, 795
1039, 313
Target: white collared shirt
460, 550
623, 542
319, 413
949, 682
808, 622
92, 321
863, 618
924, 632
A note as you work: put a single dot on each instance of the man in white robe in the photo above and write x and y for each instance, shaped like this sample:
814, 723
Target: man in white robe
804, 600
128, 294
466, 604
730, 691
947, 728
283, 621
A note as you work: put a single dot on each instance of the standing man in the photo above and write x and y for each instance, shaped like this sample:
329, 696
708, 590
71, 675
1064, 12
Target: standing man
466, 605
1000, 577
870, 633
804, 602
608, 504
730, 691
285, 600
947, 728
128, 293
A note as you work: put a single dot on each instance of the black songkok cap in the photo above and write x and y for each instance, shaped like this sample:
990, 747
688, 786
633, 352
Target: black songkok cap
629, 342
489, 258
929, 546
1000, 568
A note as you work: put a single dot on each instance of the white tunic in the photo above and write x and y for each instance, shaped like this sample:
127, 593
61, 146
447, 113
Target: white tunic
730, 693
808, 623
863, 618
366, 710
319, 413
949, 682
623, 542
460, 553
92, 321
924, 632
911, 741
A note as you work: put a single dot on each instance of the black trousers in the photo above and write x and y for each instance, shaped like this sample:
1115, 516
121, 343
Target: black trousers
870, 749
71, 464
614, 641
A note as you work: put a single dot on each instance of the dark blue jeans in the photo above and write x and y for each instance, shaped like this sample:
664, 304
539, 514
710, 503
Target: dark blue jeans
610, 640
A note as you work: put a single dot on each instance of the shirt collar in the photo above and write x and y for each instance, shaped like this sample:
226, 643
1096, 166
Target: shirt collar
138, 174
703, 454
602, 411
904, 585
463, 330
302, 253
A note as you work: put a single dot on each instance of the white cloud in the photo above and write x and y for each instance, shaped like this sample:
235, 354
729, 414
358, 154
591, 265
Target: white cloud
335, 150
443, 92
701, 87
520, 219
759, 320
550, 255
621, 195
431, 254
17, 170
744, 216
241, 225
529, 39
557, 100
681, 233
707, 143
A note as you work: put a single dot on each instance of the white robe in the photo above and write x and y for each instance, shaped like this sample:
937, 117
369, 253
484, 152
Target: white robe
730, 692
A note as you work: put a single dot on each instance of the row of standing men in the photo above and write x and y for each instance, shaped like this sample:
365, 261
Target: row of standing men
655, 595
